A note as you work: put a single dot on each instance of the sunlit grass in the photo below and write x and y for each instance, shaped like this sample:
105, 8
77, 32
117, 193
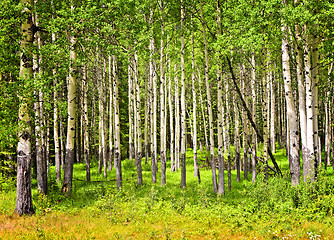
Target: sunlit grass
96, 210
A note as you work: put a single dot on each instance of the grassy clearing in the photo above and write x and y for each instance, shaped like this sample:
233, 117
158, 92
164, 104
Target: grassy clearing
96, 210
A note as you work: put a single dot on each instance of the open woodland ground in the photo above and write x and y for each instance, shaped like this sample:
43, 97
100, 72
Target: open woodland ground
96, 210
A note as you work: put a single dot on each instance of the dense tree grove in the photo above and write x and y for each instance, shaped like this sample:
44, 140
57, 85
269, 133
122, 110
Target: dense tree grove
101, 81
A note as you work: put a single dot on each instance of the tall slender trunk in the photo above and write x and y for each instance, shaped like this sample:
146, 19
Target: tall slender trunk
183, 103
39, 117
105, 120
309, 161
85, 123
162, 99
291, 113
131, 111
139, 132
196, 167
177, 120
221, 185
71, 119
264, 110
171, 120
209, 101
226, 129
100, 81
117, 146
301, 91
23, 192
245, 124
315, 80
153, 77
328, 121
111, 112
254, 139
272, 113
236, 137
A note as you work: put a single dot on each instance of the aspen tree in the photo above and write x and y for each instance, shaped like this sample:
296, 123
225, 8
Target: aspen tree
264, 109
177, 120
209, 101
162, 99
146, 123
236, 137
100, 82
41, 164
272, 113
315, 80
301, 89
23, 192
309, 161
291, 113
171, 118
153, 76
328, 121
226, 129
105, 119
202, 110
117, 146
221, 185
183, 102
85, 124
138, 125
196, 167
245, 123
71, 119
131, 110
111, 113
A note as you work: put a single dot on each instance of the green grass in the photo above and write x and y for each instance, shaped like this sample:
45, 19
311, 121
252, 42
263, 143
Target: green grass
270, 209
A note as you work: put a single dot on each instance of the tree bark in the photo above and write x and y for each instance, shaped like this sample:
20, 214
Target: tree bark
183, 103
23, 193
117, 146
209, 102
291, 113
71, 119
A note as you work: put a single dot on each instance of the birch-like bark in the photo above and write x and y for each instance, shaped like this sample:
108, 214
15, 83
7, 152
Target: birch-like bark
23, 192
71, 119
264, 110
245, 127
56, 118
209, 102
328, 121
272, 113
100, 82
153, 76
309, 161
111, 113
226, 129
291, 113
220, 108
117, 146
85, 124
196, 167
162, 99
177, 120
171, 120
301, 90
131, 111
236, 137
42, 185
139, 132
315, 80
105, 119
183, 103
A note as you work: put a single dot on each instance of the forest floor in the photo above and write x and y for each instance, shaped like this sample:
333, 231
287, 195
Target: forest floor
270, 209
